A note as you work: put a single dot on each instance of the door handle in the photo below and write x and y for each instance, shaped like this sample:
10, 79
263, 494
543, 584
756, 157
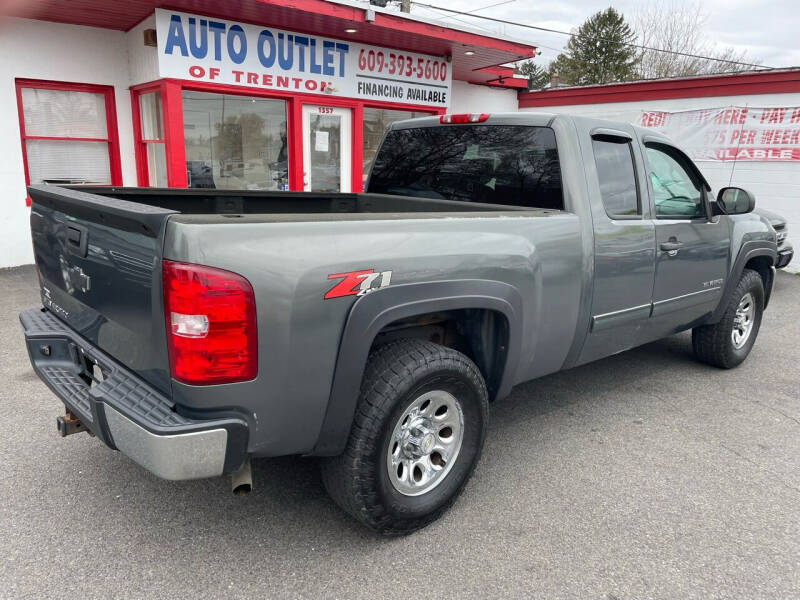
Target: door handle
77, 240
671, 247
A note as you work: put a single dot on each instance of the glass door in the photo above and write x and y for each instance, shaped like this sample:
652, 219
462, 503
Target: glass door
327, 152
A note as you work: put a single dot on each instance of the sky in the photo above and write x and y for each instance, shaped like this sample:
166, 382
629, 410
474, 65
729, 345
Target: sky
768, 30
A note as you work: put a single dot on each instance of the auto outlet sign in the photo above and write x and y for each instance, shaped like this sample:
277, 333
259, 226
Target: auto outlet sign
212, 50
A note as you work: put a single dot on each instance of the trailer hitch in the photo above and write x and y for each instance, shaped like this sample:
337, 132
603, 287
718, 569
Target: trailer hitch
69, 424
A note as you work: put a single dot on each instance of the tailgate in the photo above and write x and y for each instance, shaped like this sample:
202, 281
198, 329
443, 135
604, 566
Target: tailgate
99, 264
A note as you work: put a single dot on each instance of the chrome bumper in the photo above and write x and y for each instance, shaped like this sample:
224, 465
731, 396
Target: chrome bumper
127, 413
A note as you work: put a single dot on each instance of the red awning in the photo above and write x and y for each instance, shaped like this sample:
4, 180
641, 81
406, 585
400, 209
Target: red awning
318, 17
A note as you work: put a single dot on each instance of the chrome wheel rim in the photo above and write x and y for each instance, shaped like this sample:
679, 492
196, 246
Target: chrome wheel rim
743, 321
425, 443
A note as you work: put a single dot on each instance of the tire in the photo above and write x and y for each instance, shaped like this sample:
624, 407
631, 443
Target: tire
714, 344
365, 481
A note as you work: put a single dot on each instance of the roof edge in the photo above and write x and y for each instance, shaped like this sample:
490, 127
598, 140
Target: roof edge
772, 81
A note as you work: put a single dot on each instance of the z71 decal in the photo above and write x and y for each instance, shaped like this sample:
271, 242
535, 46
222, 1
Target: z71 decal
358, 283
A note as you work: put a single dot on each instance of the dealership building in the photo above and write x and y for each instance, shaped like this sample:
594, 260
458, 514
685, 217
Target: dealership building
252, 94
295, 95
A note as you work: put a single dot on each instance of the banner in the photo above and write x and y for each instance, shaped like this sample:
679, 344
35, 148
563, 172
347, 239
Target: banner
740, 133
225, 52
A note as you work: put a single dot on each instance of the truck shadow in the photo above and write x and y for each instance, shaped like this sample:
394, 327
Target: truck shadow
289, 505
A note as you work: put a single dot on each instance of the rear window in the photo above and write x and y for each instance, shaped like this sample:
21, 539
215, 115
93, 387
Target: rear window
494, 164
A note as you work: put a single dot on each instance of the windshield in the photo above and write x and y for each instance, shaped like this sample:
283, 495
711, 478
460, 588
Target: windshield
494, 164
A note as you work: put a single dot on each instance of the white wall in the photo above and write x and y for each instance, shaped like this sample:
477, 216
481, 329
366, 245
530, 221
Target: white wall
142, 60
470, 98
776, 185
40, 50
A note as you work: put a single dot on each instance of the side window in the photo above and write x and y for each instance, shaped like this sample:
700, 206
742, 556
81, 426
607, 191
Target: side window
617, 175
678, 192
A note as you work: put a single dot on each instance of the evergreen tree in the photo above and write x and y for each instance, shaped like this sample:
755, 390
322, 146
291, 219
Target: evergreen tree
538, 76
599, 52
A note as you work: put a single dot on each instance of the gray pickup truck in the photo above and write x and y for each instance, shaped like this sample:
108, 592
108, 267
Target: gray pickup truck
194, 329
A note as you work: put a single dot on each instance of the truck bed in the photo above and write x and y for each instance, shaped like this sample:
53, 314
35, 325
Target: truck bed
99, 249
259, 202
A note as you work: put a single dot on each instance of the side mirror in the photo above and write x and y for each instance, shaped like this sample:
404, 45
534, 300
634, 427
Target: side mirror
735, 201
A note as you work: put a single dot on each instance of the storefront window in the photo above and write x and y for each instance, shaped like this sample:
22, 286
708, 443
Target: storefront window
66, 135
235, 142
152, 122
376, 120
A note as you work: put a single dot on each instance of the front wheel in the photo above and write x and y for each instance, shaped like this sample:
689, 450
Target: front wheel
417, 435
727, 343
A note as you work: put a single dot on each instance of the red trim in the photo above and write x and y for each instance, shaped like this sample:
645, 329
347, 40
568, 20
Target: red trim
320, 17
175, 141
22, 138
357, 151
516, 83
139, 149
781, 82
65, 139
115, 165
140, 145
294, 135
113, 132
498, 70
172, 104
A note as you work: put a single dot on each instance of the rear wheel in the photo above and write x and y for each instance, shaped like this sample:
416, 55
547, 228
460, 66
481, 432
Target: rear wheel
727, 343
417, 435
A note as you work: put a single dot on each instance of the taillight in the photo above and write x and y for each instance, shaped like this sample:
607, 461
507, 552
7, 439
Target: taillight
211, 324
464, 118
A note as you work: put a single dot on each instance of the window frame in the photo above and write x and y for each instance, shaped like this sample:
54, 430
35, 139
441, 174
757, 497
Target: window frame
613, 137
244, 93
114, 163
141, 143
691, 170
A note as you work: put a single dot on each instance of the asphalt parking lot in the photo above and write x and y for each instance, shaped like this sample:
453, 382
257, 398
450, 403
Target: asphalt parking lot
643, 475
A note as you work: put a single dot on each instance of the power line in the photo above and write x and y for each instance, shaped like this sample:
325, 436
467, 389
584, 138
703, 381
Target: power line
474, 10
440, 18
571, 34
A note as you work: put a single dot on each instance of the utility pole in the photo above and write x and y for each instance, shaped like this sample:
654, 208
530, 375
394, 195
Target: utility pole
405, 6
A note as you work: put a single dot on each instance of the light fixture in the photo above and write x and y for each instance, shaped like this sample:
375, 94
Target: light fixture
350, 30
469, 53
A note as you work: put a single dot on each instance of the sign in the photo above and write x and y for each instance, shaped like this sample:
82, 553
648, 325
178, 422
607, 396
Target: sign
225, 52
738, 133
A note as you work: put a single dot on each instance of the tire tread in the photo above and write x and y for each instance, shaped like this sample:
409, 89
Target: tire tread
711, 343
348, 478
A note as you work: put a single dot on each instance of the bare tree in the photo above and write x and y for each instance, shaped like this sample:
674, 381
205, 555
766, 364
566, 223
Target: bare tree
680, 27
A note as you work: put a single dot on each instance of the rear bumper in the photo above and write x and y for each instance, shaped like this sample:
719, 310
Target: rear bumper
127, 413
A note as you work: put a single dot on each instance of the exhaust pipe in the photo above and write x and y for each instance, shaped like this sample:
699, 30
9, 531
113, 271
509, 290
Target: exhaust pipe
242, 480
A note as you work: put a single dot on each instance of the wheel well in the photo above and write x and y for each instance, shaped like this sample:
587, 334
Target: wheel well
481, 334
763, 266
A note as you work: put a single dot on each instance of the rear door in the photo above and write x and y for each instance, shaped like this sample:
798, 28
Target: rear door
99, 264
624, 242
692, 249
